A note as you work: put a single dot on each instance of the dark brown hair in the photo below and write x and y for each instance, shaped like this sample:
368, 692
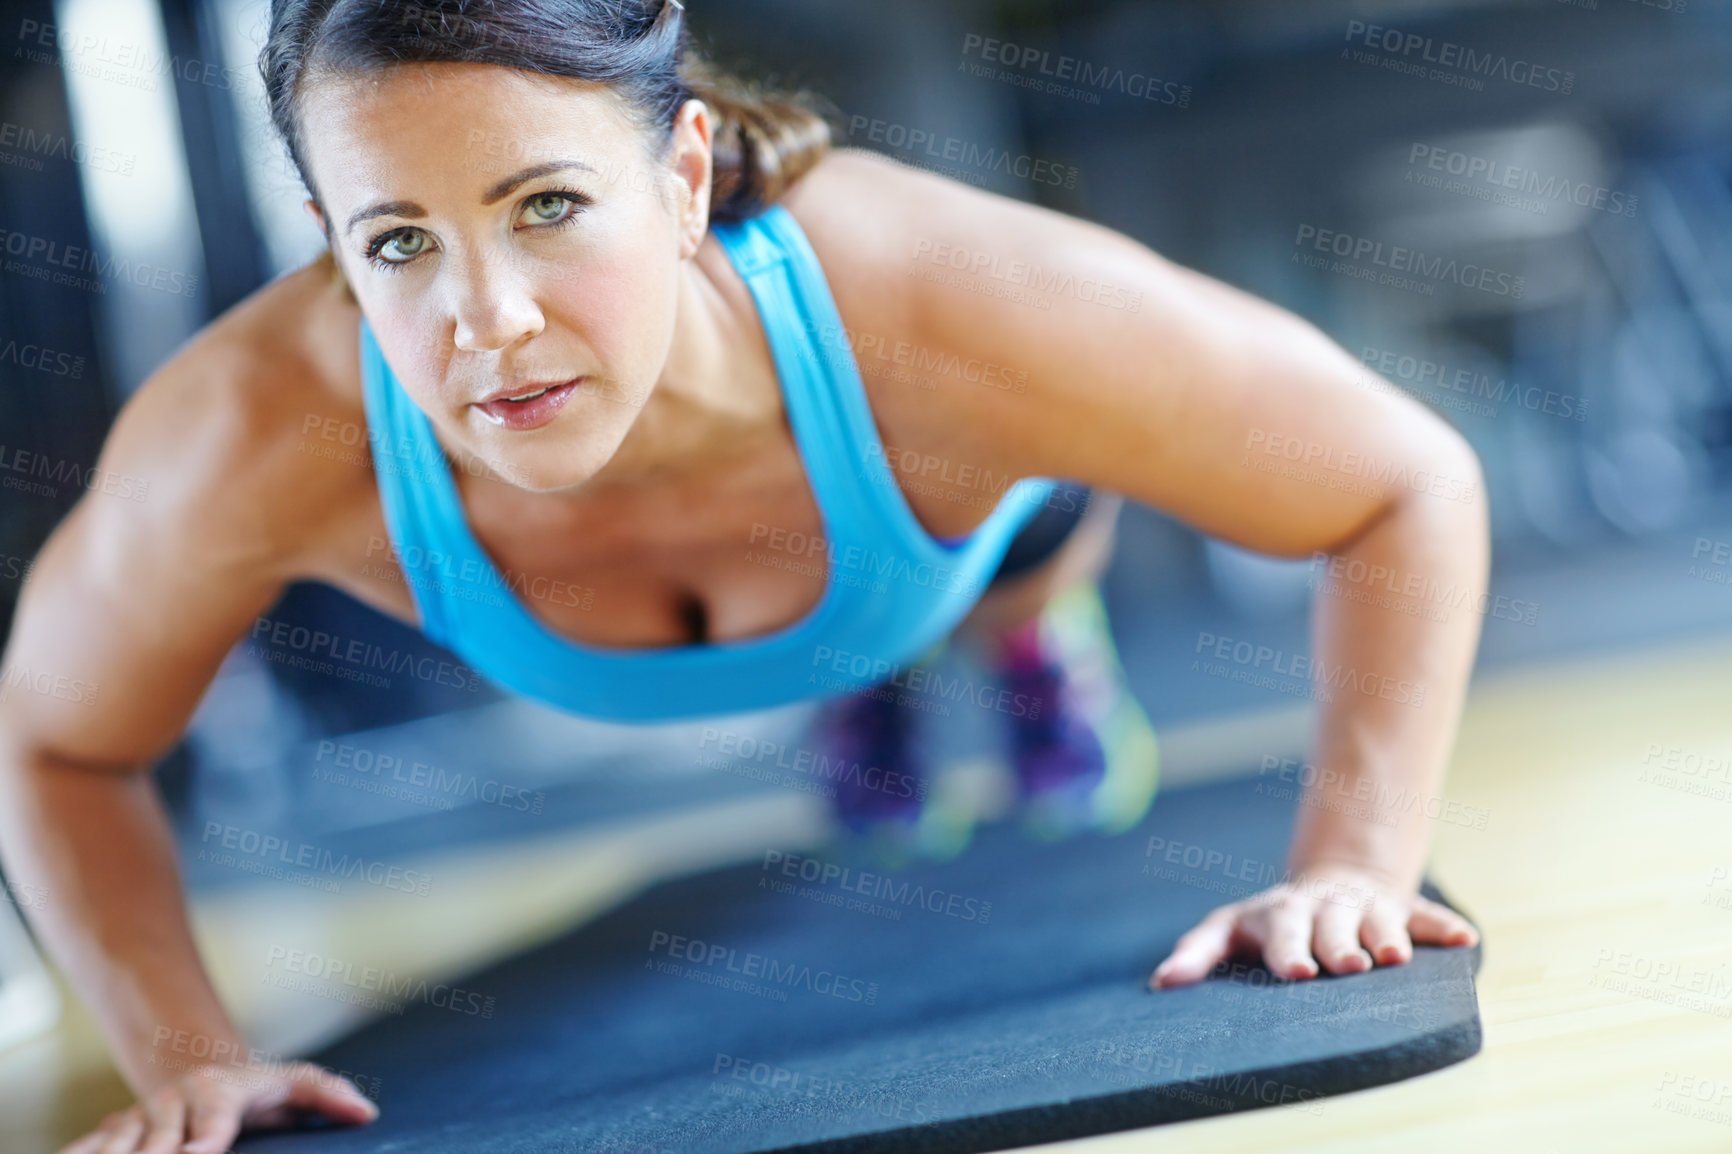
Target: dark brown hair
763, 141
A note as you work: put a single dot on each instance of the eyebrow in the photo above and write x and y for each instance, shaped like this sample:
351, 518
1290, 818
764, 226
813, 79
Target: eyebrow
409, 210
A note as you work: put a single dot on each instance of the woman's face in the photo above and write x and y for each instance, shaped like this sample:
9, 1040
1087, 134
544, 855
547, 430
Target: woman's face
505, 233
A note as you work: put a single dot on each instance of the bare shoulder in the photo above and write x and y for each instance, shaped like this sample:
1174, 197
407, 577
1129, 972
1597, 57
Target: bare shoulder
855, 208
872, 198
199, 509
941, 376
1142, 377
219, 432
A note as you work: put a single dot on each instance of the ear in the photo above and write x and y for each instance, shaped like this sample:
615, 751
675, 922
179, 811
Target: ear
691, 158
312, 207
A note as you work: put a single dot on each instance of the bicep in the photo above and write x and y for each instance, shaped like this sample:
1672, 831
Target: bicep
1178, 390
116, 637
132, 604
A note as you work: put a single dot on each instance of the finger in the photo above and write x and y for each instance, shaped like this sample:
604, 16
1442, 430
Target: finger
92, 1142
1384, 932
1286, 935
167, 1112
213, 1122
89, 1144
122, 1137
1433, 924
1198, 951
336, 1097
1335, 939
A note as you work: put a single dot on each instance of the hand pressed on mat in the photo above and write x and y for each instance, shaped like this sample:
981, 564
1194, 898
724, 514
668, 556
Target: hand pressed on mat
1342, 917
204, 1110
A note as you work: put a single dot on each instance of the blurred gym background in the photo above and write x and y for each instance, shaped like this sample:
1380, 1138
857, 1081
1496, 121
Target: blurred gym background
1591, 164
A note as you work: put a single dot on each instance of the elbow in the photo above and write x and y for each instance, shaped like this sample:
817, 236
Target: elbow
1460, 466
1452, 502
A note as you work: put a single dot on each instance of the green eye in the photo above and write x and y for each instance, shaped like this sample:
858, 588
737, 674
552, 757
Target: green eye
409, 243
553, 208
548, 206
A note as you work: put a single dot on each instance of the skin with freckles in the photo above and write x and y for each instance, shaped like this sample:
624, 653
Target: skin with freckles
486, 272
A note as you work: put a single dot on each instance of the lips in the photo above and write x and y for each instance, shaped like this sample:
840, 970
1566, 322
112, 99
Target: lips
528, 408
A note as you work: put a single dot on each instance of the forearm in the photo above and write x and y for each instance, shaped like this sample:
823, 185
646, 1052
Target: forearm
98, 846
1395, 627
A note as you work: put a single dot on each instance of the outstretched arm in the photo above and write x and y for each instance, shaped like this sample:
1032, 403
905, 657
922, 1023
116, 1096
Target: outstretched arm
126, 615
1248, 423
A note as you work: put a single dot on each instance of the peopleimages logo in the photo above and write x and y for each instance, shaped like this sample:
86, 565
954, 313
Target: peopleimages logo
113, 60
925, 144
1020, 274
1377, 472
250, 847
1303, 669
41, 142
224, 1060
1397, 259
15, 568
857, 559
76, 259
351, 658
832, 1095
1410, 52
918, 681
55, 685
735, 750
42, 359
1519, 187
839, 341
1064, 70
1440, 375
1357, 580
335, 976
361, 768
879, 887
19, 464
759, 969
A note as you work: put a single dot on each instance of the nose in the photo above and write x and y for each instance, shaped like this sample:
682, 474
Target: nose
493, 306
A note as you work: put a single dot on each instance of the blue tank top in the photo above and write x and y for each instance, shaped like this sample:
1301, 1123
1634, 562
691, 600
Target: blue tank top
892, 588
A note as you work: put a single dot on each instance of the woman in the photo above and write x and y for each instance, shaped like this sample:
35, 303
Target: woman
570, 379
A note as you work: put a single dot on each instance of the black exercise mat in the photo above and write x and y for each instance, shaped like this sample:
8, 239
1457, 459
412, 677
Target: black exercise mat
986, 1003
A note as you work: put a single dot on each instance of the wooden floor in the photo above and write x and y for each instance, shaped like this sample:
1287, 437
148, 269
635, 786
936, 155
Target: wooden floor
1602, 882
